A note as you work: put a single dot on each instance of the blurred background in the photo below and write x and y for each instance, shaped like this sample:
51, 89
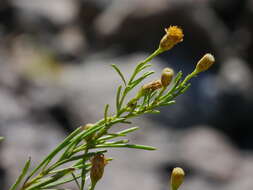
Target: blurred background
55, 75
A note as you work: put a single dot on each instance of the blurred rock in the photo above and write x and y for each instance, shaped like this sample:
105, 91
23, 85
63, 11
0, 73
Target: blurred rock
58, 11
236, 77
29, 139
70, 43
210, 153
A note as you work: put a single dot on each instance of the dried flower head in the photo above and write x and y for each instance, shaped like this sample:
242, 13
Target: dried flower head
153, 85
173, 36
177, 178
98, 163
204, 63
166, 77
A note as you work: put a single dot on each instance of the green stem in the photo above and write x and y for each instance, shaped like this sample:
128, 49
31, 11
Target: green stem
149, 58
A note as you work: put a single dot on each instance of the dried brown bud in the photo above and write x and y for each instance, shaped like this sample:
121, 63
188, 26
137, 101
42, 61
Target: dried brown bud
204, 63
98, 163
154, 85
166, 77
173, 36
177, 178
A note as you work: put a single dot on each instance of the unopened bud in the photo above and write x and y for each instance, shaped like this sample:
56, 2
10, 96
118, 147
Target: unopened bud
98, 163
177, 178
173, 36
154, 85
86, 127
166, 77
204, 63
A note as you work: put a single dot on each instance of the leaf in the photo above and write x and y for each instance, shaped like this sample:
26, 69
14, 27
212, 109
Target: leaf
152, 111
185, 88
63, 181
137, 81
22, 175
106, 112
135, 146
56, 150
120, 73
119, 134
118, 99
144, 67
168, 103
118, 142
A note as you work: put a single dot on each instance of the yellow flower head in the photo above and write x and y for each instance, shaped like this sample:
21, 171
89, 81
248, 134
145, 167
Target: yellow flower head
173, 36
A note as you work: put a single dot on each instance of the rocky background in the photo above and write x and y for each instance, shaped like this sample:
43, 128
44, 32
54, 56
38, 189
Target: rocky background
55, 75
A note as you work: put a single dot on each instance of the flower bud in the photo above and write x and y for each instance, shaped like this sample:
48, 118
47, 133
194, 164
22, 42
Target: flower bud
166, 77
204, 63
173, 36
177, 178
86, 127
98, 163
153, 85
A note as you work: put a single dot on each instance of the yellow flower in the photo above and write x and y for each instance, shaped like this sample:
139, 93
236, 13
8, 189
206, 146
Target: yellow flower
173, 36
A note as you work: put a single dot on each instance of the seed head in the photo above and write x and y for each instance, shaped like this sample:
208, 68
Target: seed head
98, 163
173, 36
166, 77
177, 178
204, 63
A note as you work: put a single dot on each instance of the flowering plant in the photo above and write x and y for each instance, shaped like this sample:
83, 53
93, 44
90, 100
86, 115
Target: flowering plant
76, 158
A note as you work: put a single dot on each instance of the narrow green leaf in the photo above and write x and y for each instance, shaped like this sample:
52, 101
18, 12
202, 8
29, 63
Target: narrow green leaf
55, 151
137, 81
118, 142
168, 103
118, 99
144, 67
152, 111
22, 175
1, 139
128, 130
135, 146
63, 181
185, 88
49, 180
126, 122
106, 112
120, 73
177, 80
75, 179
